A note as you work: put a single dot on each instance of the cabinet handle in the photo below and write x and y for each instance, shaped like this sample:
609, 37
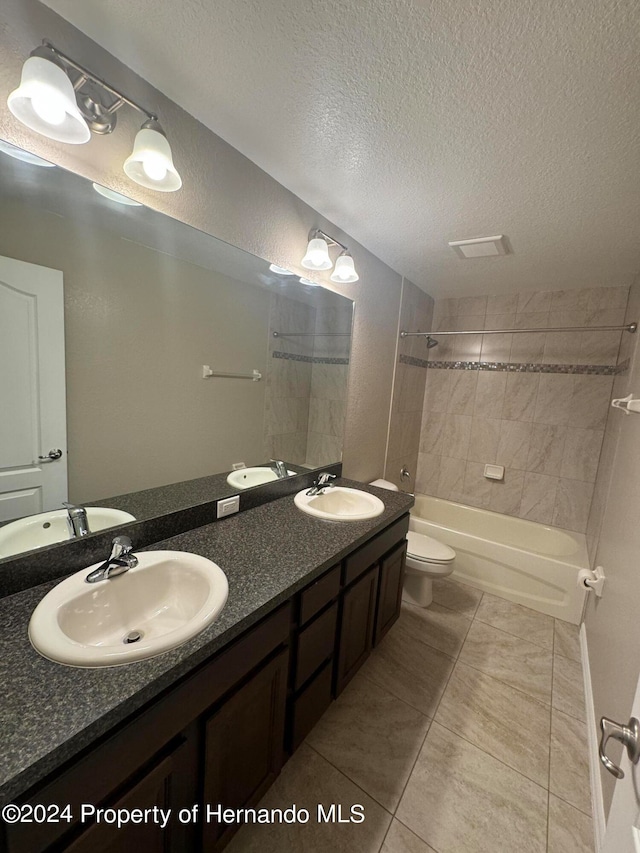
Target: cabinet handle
628, 735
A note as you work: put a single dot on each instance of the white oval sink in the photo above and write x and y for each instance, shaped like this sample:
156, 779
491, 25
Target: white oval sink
168, 598
339, 503
47, 528
244, 478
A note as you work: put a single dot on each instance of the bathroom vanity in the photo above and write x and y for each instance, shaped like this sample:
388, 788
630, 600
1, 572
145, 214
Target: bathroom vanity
213, 721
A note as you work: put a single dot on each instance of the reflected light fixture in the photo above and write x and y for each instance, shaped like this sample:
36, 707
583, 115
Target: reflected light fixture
62, 100
309, 282
25, 156
318, 258
280, 270
112, 195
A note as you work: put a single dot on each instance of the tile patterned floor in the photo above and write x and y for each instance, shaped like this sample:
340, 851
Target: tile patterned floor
463, 733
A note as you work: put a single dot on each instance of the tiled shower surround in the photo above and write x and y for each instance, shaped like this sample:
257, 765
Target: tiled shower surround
307, 381
546, 428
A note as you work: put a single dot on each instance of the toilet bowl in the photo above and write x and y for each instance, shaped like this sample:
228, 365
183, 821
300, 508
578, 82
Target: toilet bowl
427, 558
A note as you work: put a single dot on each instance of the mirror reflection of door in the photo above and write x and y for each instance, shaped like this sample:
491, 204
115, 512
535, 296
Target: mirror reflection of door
32, 378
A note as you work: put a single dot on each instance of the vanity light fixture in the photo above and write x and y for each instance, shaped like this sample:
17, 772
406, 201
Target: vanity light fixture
25, 156
317, 257
112, 195
309, 282
345, 271
62, 100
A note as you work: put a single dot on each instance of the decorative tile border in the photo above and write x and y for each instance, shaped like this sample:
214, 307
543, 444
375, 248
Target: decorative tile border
524, 367
416, 362
623, 366
310, 359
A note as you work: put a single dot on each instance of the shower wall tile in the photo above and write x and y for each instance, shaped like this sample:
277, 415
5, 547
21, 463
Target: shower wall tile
405, 427
546, 429
490, 392
581, 454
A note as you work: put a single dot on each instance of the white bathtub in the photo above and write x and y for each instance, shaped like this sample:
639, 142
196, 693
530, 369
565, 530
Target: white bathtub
523, 561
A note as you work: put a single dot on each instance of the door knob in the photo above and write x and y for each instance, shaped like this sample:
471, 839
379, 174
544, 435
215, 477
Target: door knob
628, 735
51, 456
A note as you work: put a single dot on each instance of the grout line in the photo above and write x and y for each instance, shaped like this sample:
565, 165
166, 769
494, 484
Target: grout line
349, 779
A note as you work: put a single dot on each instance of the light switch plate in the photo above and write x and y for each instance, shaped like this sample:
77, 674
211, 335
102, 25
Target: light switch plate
228, 506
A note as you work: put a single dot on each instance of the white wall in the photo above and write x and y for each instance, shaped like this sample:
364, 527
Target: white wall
613, 622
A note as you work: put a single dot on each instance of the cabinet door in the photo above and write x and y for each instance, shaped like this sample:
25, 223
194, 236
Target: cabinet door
390, 591
356, 627
160, 787
244, 746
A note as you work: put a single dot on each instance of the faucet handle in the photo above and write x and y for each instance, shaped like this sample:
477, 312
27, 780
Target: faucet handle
325, 478
121, 548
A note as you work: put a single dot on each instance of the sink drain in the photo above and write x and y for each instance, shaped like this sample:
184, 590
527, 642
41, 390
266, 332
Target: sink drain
132, 637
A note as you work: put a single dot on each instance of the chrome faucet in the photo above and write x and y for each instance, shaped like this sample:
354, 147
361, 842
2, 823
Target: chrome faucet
322, 482
121, 559
77, 518
279, 468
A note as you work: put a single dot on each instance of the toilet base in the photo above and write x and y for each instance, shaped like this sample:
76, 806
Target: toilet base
417, 590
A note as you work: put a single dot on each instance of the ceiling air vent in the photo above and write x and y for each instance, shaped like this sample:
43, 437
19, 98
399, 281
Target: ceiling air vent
480, 247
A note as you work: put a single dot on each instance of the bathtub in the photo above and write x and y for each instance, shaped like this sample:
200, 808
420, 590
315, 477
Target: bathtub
523, 561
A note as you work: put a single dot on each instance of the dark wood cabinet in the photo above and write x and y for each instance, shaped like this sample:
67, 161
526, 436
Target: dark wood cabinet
244, 744
356, 627
390, 591
161, 787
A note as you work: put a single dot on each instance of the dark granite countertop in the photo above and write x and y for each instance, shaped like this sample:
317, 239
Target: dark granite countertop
50, 712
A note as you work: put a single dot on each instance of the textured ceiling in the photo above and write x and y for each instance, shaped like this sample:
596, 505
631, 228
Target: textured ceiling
413, 123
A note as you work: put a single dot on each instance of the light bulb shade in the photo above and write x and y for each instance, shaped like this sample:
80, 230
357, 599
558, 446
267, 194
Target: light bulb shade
46, 102
112, 195
150, 164
317, 257
345, 271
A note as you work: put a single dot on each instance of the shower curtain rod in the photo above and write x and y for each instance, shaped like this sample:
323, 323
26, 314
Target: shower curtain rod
631, 327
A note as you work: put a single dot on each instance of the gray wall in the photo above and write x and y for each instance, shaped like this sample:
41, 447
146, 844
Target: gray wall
613, 534
223, 194
139, 324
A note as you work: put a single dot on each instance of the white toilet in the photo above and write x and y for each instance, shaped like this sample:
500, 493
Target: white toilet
427, 558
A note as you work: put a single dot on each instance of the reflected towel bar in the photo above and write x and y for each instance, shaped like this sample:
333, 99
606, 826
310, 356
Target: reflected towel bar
207, 373
630, 327
315, 334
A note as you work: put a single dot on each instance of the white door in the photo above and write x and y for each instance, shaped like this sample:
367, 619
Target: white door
622, 834
32, 390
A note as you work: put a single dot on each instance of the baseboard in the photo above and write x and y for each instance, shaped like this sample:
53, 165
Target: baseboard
597, 802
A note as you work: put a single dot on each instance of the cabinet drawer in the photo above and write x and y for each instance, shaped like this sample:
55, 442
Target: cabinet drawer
311, 705
314, 597
316, 643
364, 557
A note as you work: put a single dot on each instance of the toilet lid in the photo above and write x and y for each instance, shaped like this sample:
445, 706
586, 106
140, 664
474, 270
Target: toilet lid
422, 547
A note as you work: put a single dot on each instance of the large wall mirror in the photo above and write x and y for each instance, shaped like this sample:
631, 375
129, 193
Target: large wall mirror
117, 327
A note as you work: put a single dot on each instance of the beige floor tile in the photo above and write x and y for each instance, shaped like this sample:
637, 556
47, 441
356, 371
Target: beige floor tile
570, 831
516, 662
411, 670
568, 687
504, 722
517, 620
306, 780
569, 774
461, 800
567, 640
368, 729
401, 840
439, 627
456, 596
